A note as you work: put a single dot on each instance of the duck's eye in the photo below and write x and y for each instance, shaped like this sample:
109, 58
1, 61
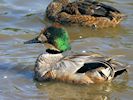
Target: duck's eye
47, 34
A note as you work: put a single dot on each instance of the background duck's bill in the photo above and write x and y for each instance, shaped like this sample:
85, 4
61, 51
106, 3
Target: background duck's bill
35, 40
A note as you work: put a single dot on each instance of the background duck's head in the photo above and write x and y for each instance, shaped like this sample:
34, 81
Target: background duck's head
62, 1
55, 36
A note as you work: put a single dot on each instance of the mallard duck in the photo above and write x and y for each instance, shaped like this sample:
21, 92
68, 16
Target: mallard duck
72, 68
84, 12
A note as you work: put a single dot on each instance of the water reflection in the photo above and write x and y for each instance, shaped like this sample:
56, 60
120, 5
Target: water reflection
64, 91
53, 90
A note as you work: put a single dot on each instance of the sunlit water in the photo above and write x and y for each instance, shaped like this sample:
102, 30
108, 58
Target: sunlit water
21, 20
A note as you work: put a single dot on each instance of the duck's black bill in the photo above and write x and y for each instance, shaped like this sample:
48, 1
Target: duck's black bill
35, 40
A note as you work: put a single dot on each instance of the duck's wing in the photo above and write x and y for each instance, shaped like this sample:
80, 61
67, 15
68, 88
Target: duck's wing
90, 7
81, 64
97, 66
103, 67
94, 8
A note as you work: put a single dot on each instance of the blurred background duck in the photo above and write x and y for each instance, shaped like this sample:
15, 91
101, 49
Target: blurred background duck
72, 68
84, 12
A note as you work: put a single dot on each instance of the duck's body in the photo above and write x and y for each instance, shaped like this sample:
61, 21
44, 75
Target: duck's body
73, 68
79, 69
84, 12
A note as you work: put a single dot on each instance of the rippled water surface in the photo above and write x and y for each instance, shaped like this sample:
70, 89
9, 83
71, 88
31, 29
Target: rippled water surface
21, 20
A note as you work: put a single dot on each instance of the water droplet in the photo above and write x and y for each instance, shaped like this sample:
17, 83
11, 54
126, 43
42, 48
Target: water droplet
5, 77
29, 9
40, 84
84, 51
80, 37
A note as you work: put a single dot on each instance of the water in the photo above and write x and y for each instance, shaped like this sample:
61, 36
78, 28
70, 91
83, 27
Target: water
23, 20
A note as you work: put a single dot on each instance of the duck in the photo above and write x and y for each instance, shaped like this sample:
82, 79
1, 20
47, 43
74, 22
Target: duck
88, 13
60, 64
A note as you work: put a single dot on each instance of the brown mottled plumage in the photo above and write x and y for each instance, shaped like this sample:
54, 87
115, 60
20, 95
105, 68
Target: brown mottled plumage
84, 12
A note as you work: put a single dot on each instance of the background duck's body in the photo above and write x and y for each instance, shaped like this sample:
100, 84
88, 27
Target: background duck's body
84, 12
72, 68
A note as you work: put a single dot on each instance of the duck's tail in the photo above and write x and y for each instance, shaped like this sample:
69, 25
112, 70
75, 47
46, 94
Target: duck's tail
118, 67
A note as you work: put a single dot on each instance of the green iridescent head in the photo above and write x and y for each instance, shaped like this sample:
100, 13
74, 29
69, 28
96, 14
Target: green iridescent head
56, 36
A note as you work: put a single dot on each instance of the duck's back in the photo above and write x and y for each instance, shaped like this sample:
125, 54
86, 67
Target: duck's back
89, 7
85, 12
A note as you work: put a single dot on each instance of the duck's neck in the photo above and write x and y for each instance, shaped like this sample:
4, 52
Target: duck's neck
52, 51
64, 53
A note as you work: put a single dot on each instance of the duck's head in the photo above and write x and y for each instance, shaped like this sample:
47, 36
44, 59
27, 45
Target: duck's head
62, 1
55, 36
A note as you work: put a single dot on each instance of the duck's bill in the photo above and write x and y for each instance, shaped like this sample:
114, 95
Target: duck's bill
35, 40
124, 16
